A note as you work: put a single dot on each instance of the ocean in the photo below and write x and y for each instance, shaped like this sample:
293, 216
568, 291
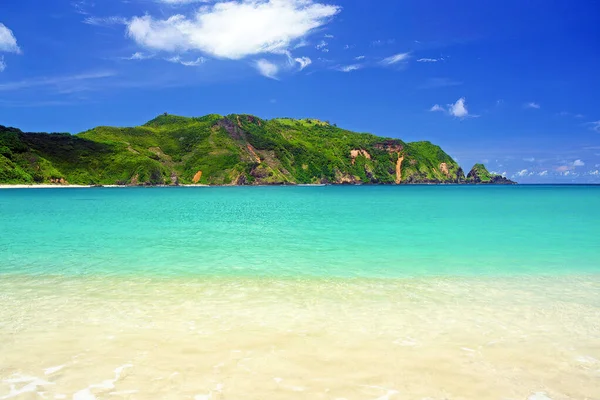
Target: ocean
357, 292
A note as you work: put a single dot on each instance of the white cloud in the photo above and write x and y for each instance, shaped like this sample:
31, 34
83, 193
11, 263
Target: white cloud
596, 172
433, 83
8, 41
595, 126
578, 163
380, 42
359, 58
543, 173
533, 105
522, 172
303, 61
322, 45
301, 43
329, 36
529, 159
233, 29
349, 68
138, 56
59, 82
395, 58
267, 68
2, 64
177, 60
458, 109
569, 173
181, 2
430, 60
105, 21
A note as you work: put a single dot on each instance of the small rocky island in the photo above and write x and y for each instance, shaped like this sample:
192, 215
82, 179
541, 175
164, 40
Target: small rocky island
226, 150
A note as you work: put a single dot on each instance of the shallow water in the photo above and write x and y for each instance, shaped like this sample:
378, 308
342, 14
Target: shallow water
327, 293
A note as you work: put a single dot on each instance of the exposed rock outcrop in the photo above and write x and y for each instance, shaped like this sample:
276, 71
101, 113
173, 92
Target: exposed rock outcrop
197, 177
460, 176
480, 175
399, 169
359, 152
444, 169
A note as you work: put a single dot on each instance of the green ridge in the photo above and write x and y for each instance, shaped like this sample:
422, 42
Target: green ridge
230, 150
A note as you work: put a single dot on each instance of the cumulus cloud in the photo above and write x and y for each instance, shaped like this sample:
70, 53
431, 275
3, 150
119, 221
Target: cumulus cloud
303, 61
349, 68
8, 41
267, 68
578, 163
543, 173
533, 105
458, 109
596, 172
359, 58
322, 45
233, 29
395, 58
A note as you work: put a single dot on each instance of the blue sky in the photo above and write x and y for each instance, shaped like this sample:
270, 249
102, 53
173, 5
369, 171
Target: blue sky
513, 84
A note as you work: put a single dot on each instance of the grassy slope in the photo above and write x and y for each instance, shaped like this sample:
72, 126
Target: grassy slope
237, 149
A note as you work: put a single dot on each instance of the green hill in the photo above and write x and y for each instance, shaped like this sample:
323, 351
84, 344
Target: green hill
216, 150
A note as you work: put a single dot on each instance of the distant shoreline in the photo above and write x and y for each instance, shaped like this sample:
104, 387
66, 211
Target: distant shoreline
56, 186
51, 186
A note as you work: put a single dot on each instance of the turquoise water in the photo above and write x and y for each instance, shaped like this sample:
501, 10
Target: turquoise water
301, 231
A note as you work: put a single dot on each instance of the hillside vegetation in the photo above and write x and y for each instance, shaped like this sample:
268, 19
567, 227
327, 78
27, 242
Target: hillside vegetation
217, 150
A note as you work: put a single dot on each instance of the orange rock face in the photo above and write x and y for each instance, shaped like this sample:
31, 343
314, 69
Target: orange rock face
357, 152
444, 168
399, 169
197, 177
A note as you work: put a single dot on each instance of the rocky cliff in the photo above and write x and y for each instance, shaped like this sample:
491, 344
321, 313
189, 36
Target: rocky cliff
480, 175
